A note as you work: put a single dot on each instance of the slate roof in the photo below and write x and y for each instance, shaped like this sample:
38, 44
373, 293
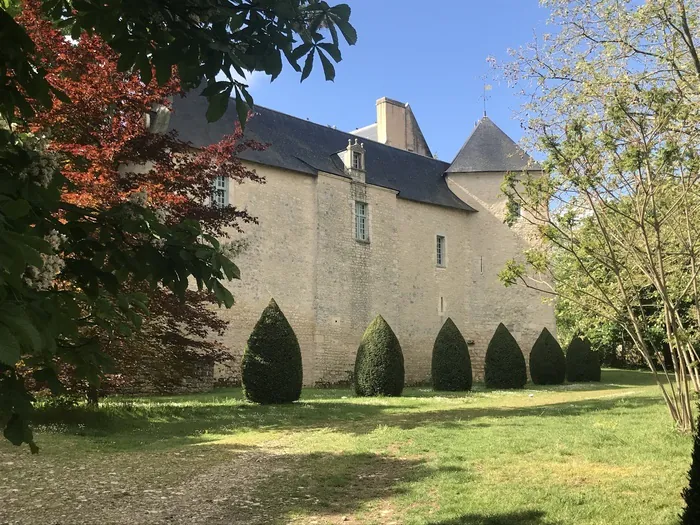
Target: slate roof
368, 132
305, 147
488, 148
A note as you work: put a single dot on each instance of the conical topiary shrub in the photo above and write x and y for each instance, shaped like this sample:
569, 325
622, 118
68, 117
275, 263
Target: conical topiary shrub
504, 366
272, 370
691, 494
379, 367
582, 363
547, 361
451, 366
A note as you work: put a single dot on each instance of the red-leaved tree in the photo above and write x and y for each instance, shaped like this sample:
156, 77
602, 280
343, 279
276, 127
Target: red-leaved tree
110, 155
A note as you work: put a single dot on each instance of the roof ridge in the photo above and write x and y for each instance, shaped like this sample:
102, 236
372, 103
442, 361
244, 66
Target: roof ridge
363, 127
347, 133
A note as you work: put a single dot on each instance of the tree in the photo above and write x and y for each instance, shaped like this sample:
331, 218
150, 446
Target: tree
272, 370
691, 494
612, 102
547, 361
582, 363
66, 268
451, 364
379, 369
111, 157
504, 365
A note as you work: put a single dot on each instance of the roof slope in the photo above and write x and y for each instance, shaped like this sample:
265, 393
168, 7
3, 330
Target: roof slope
368, 132
299, 145
488, 148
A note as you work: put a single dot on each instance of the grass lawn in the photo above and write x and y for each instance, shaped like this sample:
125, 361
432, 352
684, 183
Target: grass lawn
576, 454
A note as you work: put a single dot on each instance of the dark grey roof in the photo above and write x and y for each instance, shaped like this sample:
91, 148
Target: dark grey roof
488, 148
299, 145
368, 132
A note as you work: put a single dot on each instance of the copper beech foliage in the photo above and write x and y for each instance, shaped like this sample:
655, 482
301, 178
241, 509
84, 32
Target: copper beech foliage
110, 157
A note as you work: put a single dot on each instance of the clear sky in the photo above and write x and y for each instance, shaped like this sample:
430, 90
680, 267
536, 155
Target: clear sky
431, 54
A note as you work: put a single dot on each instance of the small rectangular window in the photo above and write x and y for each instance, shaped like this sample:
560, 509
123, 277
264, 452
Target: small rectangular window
361, 221
440, 251
357, 160
220, 194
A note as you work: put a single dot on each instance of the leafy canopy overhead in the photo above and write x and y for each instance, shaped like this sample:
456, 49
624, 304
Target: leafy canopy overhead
199, 38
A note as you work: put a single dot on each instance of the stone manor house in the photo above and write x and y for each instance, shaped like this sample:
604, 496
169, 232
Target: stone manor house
352, 225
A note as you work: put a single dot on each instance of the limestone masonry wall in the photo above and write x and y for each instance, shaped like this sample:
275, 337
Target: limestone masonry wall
330, 286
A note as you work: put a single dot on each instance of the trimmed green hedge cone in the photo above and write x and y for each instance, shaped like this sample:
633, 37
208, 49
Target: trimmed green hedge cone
451, 367
379, 369
547, 361
504, 366
272, 369
691, 494
582, 363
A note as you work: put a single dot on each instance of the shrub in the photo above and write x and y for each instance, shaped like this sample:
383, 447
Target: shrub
379, 367
547, 361
691, 494
451, 366
504, 366
272, 370
582, 363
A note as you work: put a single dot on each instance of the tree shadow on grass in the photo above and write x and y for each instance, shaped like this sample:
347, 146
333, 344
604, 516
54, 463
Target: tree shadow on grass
166, 426
278, 487
224, 486
528, 517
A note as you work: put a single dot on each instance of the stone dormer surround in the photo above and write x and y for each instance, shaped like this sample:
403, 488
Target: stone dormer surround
355, 170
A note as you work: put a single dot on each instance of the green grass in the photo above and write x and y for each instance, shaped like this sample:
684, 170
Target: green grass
575, 454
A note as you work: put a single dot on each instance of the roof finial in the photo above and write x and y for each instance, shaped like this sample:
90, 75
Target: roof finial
487, 87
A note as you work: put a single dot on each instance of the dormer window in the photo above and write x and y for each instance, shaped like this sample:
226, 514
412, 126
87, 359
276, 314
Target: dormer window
356, 160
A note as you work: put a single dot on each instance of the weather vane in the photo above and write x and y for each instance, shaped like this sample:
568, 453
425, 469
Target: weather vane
484, 97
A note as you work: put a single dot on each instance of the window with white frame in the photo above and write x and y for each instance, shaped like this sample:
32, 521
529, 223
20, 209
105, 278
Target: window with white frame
440, 254
220, 193
361, 221
356, 160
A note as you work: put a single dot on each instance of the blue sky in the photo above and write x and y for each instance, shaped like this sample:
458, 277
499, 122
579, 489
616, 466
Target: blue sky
429, 54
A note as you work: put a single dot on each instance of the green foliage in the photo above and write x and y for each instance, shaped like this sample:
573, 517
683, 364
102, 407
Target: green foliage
52, 292
691, 494
234, 37
272, 369
379, 369
547, 361
582, 363
504, 366
451, 366
616, 205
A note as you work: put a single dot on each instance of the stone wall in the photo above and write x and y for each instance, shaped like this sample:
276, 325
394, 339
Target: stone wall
197, 378
524, 312
355, 280
330, 285
277, 260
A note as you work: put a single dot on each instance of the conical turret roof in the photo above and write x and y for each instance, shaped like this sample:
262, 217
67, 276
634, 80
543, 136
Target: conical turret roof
488, 148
